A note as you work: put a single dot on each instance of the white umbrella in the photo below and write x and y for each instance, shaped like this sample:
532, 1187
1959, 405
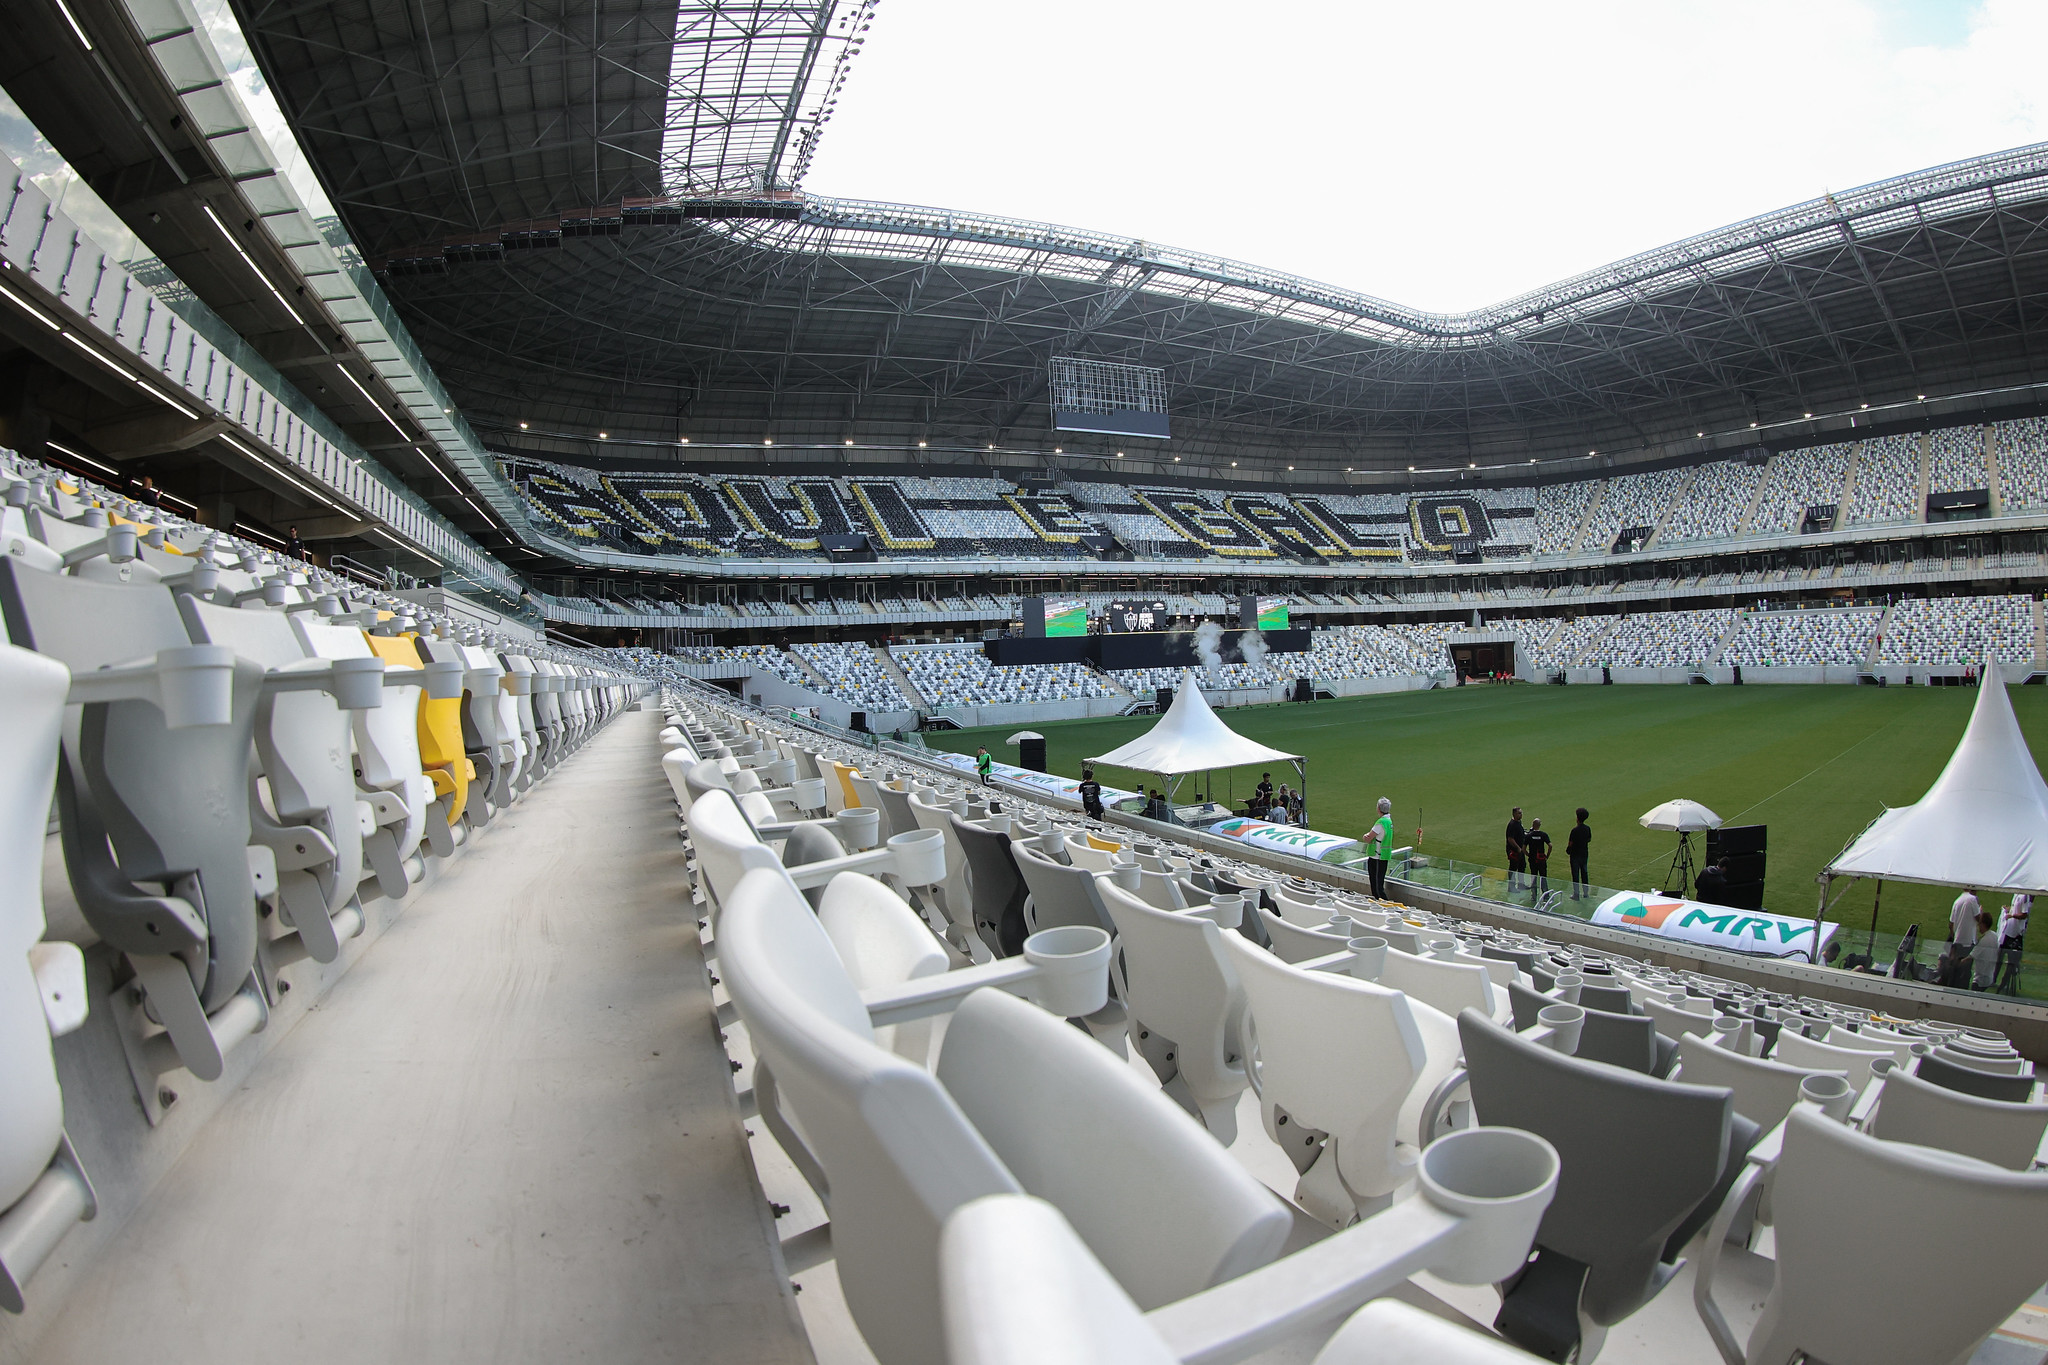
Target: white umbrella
1683, 816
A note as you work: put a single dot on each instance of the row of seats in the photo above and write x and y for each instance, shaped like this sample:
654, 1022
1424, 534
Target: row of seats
1667, 639
1957, 631
963, 676
240, 750
1007, 1048
853, 674
1805, 639
703, 515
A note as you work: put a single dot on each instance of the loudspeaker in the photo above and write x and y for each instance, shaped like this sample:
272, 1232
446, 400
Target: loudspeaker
1304, 689
1741, 867
858, 722
1033, 609
1031, 754
1247, 613
1743, 895
1736, 839
1162, 697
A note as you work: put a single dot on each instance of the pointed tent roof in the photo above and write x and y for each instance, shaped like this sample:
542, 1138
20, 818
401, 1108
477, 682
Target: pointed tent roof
1984, 822
1190, 739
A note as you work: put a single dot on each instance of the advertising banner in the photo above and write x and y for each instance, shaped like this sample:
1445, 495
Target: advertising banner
1273, 613
1065, 791
1303, 843
1066, 618
1713, 926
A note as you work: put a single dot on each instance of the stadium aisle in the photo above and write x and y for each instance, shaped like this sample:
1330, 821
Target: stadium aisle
506, 1134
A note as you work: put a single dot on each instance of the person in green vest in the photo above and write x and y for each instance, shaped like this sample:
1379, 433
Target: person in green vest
984, 765
1379, 844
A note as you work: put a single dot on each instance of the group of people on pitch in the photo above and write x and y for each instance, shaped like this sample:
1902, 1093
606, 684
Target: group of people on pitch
1528, 849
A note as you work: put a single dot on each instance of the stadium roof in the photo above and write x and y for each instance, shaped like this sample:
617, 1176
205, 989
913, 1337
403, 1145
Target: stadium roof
592, 220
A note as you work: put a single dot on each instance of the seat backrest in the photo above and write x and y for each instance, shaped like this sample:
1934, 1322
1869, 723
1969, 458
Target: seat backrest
1978, 1061
1625, 1040
1060, 894
869, 794
1293, 943
1612, 1214
1866, 1222
1177, 978
1967, 1080
133, 779
1764, 1090
675, 766
727, 848
895, 808
304, 739
1086, 853
1613, 999
32, 692
1446, 986
997, 886
438, 734
1900, 1051
1675, 1023
1300, 910
1796, 1049
1164, 1206
1919, 1111
881, 942
839, 792
1338, 1054
897, 1151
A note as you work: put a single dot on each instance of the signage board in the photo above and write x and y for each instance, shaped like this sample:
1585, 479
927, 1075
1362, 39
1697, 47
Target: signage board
1065, 791
1713, 926
1138, 615
1302, 843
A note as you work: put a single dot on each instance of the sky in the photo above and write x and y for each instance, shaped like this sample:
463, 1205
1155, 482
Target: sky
1443, 154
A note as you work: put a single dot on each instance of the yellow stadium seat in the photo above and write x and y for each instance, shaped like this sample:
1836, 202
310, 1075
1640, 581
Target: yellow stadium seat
441, 753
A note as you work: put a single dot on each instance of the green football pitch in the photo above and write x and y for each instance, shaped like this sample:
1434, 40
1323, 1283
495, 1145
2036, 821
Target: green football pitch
1815, 764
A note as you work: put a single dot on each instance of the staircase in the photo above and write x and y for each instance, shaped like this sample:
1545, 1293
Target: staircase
902, 679
1593, 642
1926, 473
1884, 628
1677, 500
803, 665
2040, 638
1848, 485
1756, 498
1586, 518
1994, 482
1727, 639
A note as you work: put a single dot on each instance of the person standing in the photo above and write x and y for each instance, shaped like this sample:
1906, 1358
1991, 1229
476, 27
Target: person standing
1962, 937
1576, 844
2012, 942
295, 547
1091, 794
1262, 796
1517, 852
1379, 846
985, 765
1538, 845
1984, 955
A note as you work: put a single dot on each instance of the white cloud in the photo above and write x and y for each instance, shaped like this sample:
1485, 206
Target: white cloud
1444, 155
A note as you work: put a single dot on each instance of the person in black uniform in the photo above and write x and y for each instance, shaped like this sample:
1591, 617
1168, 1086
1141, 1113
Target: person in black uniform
1538, 845
1091, 794
1575, 845
1711, 885
1517, 850
1262, 797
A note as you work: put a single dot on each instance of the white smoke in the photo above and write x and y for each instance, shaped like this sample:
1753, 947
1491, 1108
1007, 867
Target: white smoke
1209, 648
1252, 645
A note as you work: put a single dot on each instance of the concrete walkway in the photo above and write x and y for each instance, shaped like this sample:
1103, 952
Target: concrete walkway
507, 1134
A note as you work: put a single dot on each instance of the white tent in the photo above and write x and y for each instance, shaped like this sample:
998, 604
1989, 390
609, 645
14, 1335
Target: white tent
1190, 739
1984, 822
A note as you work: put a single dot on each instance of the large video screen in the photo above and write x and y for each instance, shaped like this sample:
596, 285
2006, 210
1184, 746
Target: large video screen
1273, 613
1066, 618
1138, 615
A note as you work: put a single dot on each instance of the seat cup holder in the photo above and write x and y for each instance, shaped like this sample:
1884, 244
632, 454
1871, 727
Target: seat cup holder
857, 827
780, 773
920, 856
1073, 963
444, 680
1226, 911
1500, 1180
195, 685
998, 824
1129, 876
810, 793
358, 683
1566, 987
1443, 949
1368, 957
1831, 1093
1564, 1023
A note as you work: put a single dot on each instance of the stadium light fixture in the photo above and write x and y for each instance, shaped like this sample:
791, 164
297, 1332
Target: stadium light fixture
522, 426
1809, 414
1866, 405
1176, 460
684, 440
1411, 469
1700, 434
1290, 468
1233, 463
920, 445
1119, 454
768, 442
1057, 450
604, 436
849, 441
1752, 426
1922, 398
